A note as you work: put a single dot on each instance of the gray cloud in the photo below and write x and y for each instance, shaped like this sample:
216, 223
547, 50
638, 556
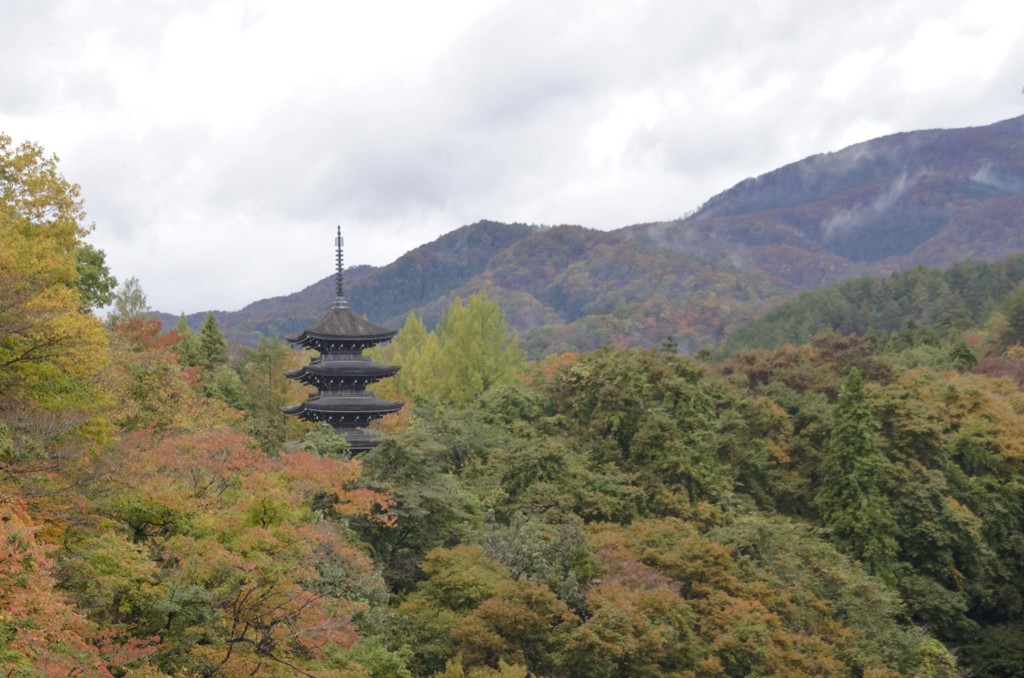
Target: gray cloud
218, 145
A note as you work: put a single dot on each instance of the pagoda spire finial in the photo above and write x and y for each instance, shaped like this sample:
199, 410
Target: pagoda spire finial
339, 277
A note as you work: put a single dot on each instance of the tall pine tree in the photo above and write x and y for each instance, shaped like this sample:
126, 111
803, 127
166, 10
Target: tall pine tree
188, 348
851, 494
213, 349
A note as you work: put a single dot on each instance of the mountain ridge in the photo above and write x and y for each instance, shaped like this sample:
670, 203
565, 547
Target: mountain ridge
875, 206
929, 197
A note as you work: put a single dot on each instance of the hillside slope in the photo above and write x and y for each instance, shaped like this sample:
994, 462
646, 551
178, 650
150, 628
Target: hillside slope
570, 288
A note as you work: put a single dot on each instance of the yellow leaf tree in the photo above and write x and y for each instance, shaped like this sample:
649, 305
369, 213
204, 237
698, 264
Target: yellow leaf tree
49, 348
52, 350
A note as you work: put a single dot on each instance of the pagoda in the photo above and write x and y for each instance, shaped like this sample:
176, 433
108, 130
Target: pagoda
341, 372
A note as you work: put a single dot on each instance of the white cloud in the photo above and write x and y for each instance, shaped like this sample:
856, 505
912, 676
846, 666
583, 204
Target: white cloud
850, 73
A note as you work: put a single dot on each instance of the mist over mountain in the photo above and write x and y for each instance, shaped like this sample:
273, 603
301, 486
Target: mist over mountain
931, 197
928, 197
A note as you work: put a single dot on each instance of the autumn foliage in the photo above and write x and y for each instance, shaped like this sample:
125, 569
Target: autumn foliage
841, 506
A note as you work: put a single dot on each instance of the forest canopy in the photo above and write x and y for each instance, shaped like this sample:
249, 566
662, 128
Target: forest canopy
838, 505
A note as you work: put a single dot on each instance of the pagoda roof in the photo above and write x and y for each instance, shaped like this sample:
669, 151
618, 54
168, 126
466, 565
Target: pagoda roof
344, 368
361, 404
343, 324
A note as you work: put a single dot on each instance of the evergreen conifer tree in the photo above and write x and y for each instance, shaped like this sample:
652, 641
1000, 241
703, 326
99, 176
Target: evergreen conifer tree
213, 349
851, 494
188, 348
962, 356
267, 391
1013, 308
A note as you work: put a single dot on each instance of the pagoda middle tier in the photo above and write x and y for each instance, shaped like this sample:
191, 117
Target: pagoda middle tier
336, 371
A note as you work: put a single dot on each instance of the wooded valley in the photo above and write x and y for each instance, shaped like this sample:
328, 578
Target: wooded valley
838, 490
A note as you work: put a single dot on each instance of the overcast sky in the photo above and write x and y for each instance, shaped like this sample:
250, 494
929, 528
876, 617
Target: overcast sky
219, 143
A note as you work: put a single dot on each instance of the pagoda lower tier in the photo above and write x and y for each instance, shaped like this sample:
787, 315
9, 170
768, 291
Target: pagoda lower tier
344, 410
342, 399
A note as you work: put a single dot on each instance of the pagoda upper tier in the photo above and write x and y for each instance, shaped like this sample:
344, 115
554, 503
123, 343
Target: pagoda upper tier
342, 331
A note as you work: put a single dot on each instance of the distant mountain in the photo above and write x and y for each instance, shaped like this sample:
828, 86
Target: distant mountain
931, 197
385, 295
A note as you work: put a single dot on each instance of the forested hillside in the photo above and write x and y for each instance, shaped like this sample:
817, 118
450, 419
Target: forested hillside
570, 288
970, 294
841, 506
930, 197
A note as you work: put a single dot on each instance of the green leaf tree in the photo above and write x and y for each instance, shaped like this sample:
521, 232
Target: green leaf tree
129, 303
477, 352
404, 349
470, 352
95, 283
322, 440
50, 349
